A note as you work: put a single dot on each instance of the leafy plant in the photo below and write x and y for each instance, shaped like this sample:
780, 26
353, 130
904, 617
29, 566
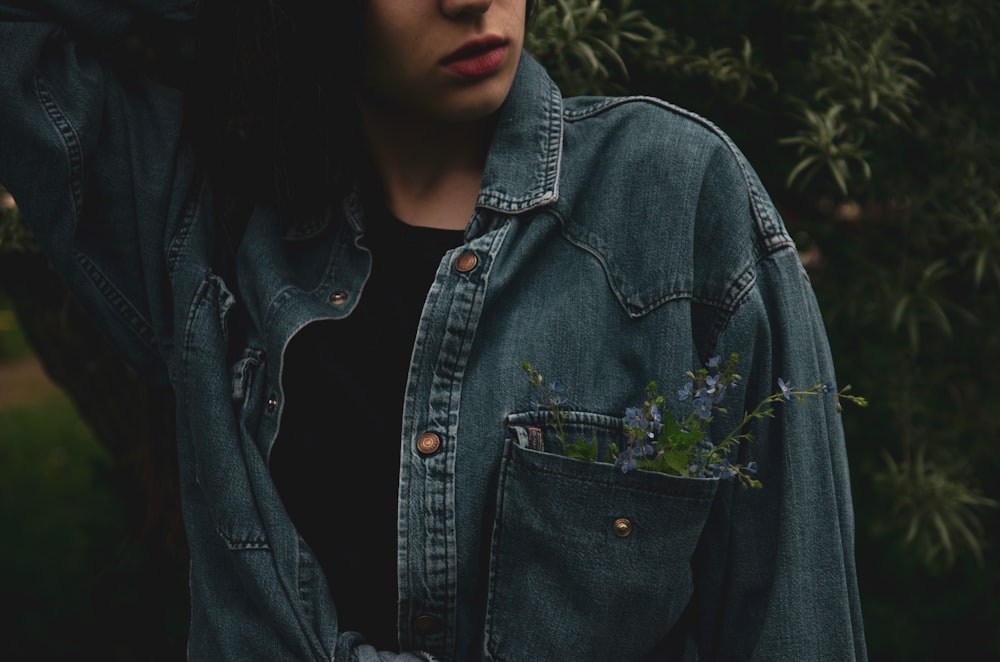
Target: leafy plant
659, 440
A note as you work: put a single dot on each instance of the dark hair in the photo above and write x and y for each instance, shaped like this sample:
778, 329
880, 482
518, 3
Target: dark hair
272, 102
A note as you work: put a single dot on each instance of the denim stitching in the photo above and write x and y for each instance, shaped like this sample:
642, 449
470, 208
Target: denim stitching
71, 141
117, 301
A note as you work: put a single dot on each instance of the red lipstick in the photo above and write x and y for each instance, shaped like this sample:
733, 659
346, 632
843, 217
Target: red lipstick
476, 58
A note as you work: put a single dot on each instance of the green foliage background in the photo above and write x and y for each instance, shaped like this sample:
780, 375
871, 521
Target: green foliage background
873, 124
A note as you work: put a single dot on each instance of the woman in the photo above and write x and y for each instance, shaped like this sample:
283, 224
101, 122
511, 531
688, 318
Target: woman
342, 299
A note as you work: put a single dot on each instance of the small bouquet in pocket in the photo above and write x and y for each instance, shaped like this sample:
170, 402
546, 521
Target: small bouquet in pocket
657, 440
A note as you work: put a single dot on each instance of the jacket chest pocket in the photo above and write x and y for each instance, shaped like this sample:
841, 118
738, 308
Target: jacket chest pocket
587, 562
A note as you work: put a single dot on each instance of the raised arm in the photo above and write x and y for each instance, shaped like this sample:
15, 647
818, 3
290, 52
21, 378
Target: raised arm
91, 151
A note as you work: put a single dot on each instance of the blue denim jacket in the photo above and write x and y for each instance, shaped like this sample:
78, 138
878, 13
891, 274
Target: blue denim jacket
615, 241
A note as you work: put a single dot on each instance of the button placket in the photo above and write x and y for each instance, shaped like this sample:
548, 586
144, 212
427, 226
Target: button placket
431, 520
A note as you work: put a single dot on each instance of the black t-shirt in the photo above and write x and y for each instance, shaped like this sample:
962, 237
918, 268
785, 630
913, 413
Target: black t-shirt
336, 460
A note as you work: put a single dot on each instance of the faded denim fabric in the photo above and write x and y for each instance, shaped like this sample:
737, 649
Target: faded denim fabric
615, 241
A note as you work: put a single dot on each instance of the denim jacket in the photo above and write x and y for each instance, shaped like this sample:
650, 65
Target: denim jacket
615, 241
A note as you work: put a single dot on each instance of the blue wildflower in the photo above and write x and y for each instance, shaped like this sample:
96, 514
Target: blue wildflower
714, 361
722, 470
785, 389
556, 388
828, 388
713, 388
643, 449
703, 404
656, 420
684, 392
626, 462
710, 382
634, 419
752, 468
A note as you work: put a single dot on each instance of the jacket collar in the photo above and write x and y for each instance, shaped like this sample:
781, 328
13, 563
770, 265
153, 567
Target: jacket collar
522, 170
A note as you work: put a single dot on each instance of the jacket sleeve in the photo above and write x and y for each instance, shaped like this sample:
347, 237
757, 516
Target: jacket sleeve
91, 152
776, 574
97, 19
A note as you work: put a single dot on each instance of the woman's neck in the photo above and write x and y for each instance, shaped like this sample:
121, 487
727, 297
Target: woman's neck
430, 171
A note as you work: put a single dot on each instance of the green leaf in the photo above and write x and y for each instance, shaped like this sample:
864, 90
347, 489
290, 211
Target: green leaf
672, 437
582, 450
676, 461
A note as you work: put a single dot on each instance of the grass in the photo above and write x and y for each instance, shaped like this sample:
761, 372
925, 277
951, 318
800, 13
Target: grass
12, 342
63, 537
80, 586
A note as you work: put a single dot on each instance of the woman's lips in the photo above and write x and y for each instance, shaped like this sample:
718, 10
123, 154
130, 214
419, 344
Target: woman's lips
476, 59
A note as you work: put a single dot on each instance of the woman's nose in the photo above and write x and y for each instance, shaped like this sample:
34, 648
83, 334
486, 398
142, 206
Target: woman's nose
456, 8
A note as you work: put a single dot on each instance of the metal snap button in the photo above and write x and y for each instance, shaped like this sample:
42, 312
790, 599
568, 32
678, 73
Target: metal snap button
428, 443
338, 298
272, 402
622, 527
427, 624
466, 262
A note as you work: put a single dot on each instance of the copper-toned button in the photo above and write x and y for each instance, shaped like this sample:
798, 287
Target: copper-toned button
272, 402
466, 262
428, 443
622, 527
338, 298
427, 624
